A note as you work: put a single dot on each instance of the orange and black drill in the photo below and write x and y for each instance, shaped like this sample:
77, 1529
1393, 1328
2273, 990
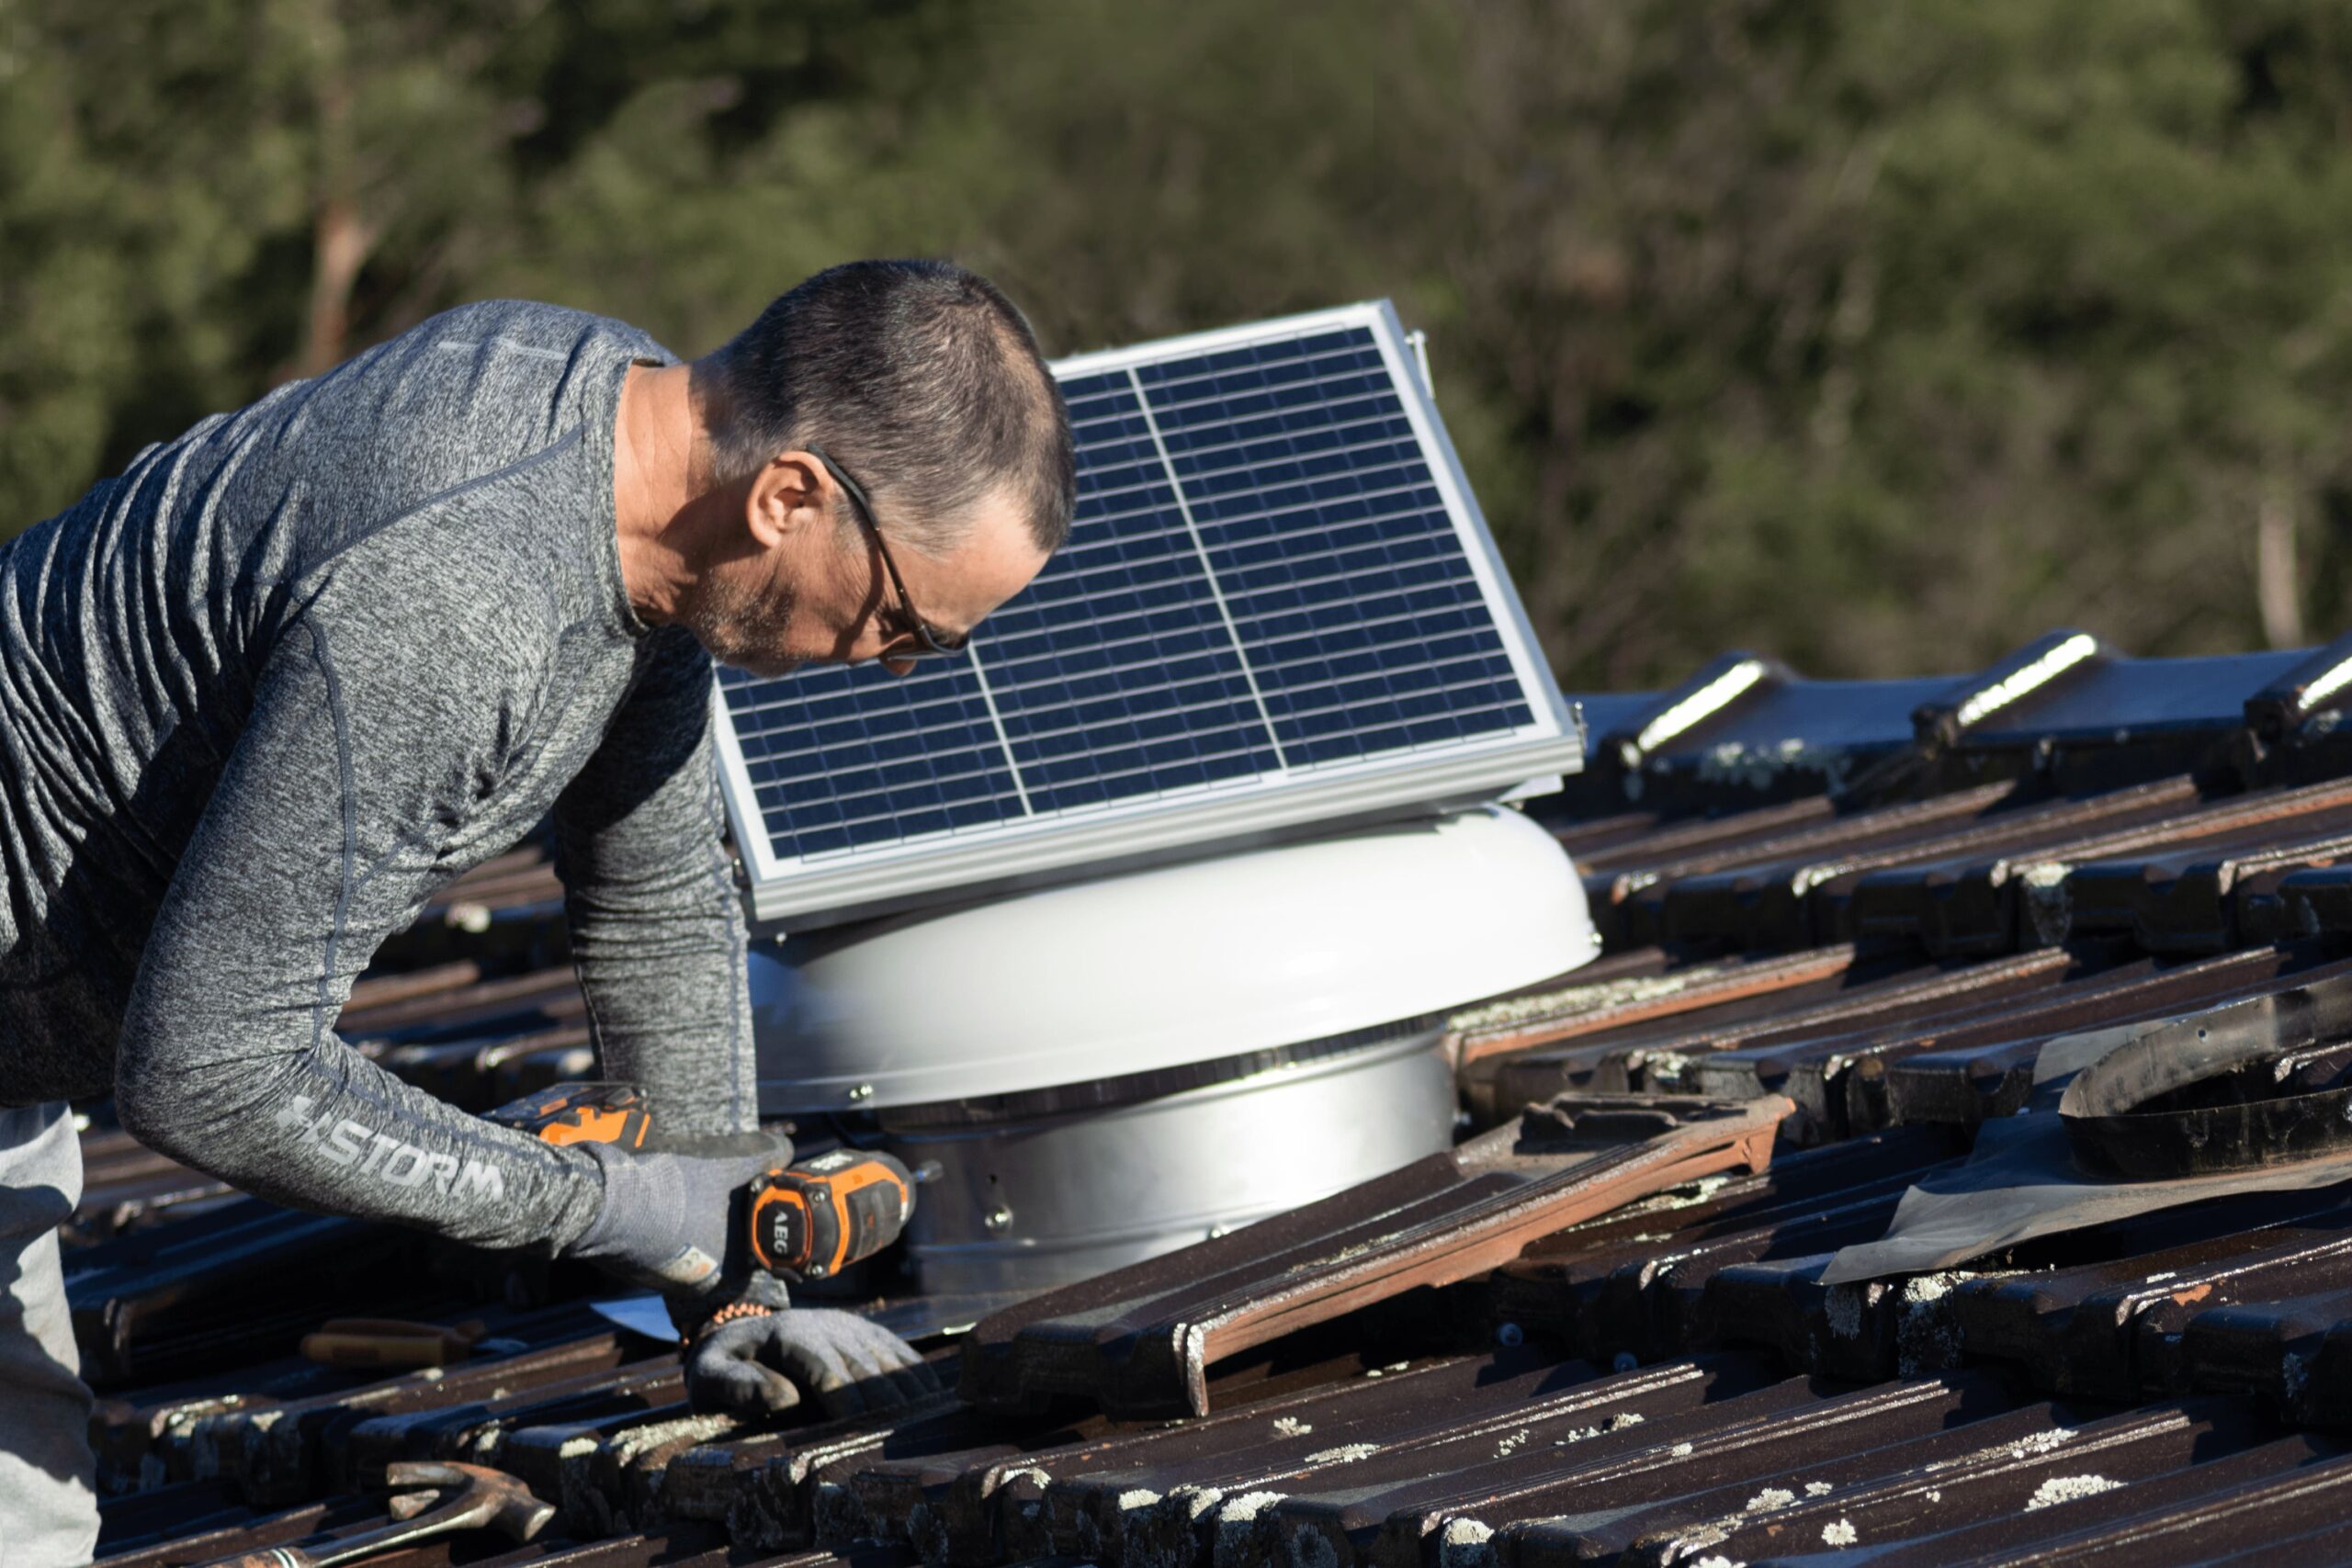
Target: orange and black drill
810, 1218
815, 1217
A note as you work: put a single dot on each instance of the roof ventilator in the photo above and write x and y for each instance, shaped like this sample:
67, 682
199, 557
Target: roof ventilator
1109, 1070
1143, 921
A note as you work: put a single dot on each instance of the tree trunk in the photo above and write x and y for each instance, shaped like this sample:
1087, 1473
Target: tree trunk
2276, 589
341, 235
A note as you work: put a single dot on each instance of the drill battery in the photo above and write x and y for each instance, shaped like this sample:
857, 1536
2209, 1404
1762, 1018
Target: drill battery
581, 1113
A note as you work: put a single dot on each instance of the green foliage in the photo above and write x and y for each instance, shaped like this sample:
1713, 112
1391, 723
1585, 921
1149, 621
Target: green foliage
1880, 337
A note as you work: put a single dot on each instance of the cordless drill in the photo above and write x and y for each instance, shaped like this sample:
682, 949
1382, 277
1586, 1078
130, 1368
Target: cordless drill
810, 1218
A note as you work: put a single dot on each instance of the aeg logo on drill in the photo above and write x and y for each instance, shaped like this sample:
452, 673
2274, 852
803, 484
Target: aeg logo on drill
387, 1158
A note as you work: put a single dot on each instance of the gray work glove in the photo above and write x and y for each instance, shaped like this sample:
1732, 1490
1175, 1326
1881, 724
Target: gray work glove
758, 1366
676, 1223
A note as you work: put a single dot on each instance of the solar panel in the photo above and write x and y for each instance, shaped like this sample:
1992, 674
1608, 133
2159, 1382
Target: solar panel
1279, 608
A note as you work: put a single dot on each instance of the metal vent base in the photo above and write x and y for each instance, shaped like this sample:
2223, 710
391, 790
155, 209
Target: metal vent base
1032, 1201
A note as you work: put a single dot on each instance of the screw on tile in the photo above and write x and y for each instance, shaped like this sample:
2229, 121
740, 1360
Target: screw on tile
1509, 1336
861, 1094
998, 1219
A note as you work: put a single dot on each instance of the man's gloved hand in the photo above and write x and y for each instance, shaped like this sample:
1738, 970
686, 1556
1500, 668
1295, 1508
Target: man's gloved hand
676, 1223
760, 1365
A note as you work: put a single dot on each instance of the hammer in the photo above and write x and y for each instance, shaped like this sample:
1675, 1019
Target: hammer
476, 1498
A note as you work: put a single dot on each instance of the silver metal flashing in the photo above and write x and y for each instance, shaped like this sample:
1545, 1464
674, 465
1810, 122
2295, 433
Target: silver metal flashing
1045, 1200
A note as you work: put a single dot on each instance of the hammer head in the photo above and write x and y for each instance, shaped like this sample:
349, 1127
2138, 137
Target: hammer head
475, 1497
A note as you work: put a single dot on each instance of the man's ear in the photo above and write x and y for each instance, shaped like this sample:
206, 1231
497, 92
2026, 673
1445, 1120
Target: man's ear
786, 496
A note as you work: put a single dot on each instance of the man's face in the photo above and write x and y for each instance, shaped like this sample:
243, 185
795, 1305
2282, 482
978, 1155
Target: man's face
807, 584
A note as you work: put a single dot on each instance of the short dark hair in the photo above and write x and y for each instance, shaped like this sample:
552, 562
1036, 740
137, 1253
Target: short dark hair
920, 378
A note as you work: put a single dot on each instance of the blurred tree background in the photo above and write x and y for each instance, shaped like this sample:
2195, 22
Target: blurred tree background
1877, 336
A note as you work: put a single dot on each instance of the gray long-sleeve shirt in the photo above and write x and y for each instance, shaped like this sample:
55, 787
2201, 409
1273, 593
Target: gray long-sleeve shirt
266, 690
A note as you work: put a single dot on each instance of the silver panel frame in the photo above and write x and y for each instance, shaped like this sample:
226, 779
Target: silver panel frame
974, 862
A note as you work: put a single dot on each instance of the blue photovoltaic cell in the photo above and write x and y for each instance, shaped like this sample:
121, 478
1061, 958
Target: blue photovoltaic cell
1262, 578
1114, 673
1342, 570
841, 757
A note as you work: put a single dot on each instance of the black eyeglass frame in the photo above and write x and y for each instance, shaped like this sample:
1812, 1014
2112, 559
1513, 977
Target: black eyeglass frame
929, 643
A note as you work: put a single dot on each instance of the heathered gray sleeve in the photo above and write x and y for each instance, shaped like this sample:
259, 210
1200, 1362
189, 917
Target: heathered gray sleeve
370, 730
657, 930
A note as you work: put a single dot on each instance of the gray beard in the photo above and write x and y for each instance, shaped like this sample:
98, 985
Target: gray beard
744, 628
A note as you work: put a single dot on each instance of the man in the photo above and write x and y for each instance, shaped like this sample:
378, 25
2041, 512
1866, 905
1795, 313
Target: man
266, 690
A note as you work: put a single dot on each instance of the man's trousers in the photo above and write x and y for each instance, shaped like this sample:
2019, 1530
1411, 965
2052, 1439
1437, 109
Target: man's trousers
49, 1503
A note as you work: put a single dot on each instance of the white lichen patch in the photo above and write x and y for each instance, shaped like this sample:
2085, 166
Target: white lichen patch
1465, 1543
2043, 1443
1513, 1012
1717, 1560
1161, 1536
1235, 1519
2066, 1488
1809, 877
1248, 1506
2048, 905
1511, 1444
1350, 1254
1927, 1339
1290, 1426
1842, 1305
1689, 1197
1664, 1069
1768, 1500
1137, 1497
1617, 1423
1740, 765
1839, 1533
1818, 1489
1681, 1451
1346, 1453
1027, 1473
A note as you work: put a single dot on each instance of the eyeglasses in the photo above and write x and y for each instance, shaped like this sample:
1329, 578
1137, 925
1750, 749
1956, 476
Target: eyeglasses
929, 642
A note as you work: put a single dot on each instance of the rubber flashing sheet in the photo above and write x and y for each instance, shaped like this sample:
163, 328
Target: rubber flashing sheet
2027, 1176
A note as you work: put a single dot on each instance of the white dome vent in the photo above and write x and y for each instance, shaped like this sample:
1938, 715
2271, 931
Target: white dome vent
1081, 1059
